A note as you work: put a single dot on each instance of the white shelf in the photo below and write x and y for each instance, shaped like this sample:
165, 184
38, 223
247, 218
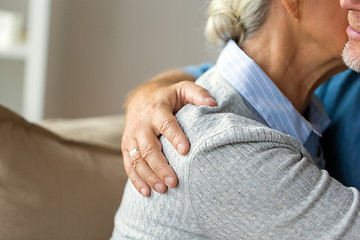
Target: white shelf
14, 53
24, 76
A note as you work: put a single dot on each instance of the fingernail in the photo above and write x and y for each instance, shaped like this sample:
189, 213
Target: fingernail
210, 100
159, 187
143, 192
181, 148
169, 181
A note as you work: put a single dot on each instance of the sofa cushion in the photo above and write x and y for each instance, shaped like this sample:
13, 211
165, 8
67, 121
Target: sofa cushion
52, 188
104, 130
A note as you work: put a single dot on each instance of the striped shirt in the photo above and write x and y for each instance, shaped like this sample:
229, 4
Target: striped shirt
258, 89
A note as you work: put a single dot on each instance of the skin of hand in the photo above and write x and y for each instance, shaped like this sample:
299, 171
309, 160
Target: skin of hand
150, 112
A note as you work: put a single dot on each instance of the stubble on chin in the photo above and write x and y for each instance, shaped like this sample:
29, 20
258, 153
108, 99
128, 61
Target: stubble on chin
351, 57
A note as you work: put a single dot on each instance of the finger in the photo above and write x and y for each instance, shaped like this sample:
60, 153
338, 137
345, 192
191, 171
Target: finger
142, 187
189, 92
136, 164
146, 173
138, 182
150, 147
168, 126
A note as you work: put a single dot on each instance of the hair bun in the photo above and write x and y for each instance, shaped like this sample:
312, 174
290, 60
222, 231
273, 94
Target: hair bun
234, 19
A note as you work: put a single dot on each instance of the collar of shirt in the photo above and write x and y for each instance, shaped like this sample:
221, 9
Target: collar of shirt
257, 88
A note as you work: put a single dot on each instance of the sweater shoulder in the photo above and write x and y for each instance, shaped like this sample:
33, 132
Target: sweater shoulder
233, 120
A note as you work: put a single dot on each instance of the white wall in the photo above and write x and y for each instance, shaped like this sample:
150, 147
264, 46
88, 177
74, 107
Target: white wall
101, 49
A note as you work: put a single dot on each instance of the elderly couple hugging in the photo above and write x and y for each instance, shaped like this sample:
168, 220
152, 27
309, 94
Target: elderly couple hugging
254, 168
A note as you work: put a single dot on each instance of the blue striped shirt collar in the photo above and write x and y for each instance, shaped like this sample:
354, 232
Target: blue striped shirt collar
253, 83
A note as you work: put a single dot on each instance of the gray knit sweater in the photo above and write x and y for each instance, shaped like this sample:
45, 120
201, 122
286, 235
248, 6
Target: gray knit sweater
240, 180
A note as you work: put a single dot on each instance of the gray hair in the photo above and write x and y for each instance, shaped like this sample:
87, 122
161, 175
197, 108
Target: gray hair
234, 19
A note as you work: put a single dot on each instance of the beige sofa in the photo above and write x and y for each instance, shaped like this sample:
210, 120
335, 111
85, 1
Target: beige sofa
66, 185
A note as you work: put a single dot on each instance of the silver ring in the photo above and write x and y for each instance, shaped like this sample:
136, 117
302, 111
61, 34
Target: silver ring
133, 151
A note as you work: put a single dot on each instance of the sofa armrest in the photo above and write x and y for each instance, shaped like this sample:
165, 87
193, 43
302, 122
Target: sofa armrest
55, 188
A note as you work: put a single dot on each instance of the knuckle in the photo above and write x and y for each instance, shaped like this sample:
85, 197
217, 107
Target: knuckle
147, 151
179, 84
150, 178
151, 108
136, 182
166, 124
182, 87
203, 91
136, 160
146, 176
174, 136
159, 169
184, 83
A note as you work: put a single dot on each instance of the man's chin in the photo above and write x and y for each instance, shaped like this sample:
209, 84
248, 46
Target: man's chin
351, 56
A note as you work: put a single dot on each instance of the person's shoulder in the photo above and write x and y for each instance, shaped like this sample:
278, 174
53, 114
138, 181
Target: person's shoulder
222, 130
338, 85
233, 118
340, 94
212, 128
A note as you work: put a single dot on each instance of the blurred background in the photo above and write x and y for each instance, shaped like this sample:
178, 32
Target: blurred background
80, 58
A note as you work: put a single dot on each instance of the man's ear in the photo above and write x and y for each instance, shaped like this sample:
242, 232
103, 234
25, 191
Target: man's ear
293, 7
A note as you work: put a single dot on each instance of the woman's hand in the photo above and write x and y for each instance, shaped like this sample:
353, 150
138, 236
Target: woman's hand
150, 112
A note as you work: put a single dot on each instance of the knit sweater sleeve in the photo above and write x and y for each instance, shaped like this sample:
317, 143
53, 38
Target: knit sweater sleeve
246, 184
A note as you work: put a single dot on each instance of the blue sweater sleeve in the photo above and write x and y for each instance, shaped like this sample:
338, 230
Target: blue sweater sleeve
197, 70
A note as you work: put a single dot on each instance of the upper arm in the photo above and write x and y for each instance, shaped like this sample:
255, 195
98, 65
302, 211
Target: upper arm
259, 189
